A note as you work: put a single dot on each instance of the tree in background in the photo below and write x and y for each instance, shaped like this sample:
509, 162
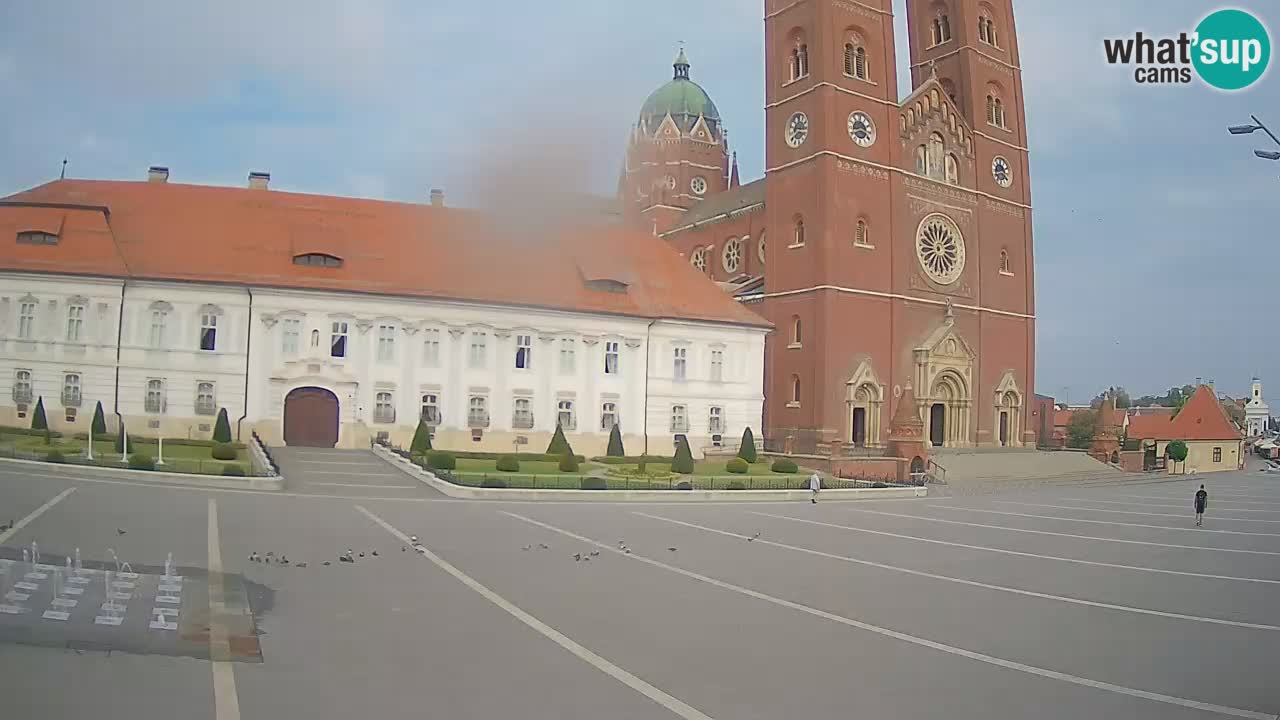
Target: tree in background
615, 443
38, 420
421, 443
1081, 429
1177, 451
683, 460
559, 445
1119, 393
747, 448
99, 425
222, 428
1233, 411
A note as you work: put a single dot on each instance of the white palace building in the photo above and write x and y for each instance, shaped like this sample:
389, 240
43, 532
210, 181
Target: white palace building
328, 321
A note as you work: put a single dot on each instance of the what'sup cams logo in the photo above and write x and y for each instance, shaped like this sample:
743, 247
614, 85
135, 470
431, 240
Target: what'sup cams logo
1230, 50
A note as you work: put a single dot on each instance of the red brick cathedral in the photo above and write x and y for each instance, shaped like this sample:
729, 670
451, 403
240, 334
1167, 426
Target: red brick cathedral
889, 241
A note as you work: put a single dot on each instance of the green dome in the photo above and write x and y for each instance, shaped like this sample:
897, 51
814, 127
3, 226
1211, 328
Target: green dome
683, 99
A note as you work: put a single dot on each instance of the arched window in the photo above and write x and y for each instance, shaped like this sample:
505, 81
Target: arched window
991, 109
1005, 267
803, 56
798, 239
953, 169
937, 149
797, 336
795, 389
946, 28
317, 260
850, 59
936, 29
922, 162
795, 64
861, 236
982, 29
999, 113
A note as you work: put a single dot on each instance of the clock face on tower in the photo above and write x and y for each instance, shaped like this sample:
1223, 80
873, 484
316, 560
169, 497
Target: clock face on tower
861, 130
1001, 171
797, 130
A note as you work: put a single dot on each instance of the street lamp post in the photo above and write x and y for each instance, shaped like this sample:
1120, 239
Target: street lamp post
1255, 126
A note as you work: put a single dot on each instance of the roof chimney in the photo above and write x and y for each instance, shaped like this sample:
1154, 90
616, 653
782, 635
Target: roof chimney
1198, 381
157, 174
437, 197
259, 180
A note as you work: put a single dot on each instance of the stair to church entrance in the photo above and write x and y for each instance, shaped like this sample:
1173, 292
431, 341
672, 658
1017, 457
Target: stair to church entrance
970, 471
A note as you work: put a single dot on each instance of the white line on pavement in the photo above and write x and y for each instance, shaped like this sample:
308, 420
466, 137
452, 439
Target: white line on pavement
359, 485
667, 701
962, 581
1212, 497
1002, 550
4, 536
912, 639
1197, 530
1133, 512
1071, 535
226, 701
1168, 505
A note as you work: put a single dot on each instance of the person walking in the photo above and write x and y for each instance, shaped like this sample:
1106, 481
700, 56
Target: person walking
815, 484
1202, 499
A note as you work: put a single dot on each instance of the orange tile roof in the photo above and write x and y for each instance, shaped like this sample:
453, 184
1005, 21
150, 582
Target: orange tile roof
171, 231
1201, 418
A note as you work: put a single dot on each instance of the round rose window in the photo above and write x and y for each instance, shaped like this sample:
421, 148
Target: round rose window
940, 249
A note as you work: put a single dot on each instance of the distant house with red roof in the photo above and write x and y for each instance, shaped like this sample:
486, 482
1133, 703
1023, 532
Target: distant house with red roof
1214, 443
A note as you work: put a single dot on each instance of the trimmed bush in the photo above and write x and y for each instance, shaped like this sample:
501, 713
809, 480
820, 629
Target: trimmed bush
38, 420
878, 485
685, 485
736, 485
559, 445
747, 449
508, 463
421, 443
223, 451
139, 461
737, 466
523, 457
615, 442
222, 427
441, 461
683, 461
783, 465
594, 483
493, 482
99, 424
233, 471
569, 463
55, 456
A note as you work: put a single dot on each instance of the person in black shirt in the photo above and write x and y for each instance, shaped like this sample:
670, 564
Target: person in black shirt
1202, 499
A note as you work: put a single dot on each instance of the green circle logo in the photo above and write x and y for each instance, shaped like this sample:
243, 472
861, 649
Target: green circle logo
1232, 49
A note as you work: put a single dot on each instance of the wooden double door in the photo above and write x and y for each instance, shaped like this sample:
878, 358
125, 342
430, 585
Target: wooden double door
311, 418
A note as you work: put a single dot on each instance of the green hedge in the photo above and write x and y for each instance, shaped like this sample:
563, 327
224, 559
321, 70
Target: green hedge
508, 463
223, 451
29, 431
233, 471
737, 466
55, 457
594, 483
686, 485
783, 465
736, 485
493, 482
632, 460
441, 461
176, 442
524, 457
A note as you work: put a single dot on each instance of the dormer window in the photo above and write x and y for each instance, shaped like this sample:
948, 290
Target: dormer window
37, 237
318, 260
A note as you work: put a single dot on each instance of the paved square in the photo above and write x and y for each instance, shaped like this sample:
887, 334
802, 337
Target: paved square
1070, 602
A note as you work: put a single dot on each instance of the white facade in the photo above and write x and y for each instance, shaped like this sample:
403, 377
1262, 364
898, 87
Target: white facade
180, 351
1256, 411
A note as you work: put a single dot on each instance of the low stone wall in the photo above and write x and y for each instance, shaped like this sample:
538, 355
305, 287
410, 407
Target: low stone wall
512, 494
90, 472
1133, 461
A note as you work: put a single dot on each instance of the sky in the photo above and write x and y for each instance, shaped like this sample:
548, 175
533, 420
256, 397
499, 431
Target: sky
1154, 228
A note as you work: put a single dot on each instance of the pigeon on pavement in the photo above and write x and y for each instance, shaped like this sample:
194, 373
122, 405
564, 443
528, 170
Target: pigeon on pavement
527, 547
119, 531
253, 557
577, 557
374, 553
326, 562
671, 549
594, 553
753, 537
544, 546
302, 565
